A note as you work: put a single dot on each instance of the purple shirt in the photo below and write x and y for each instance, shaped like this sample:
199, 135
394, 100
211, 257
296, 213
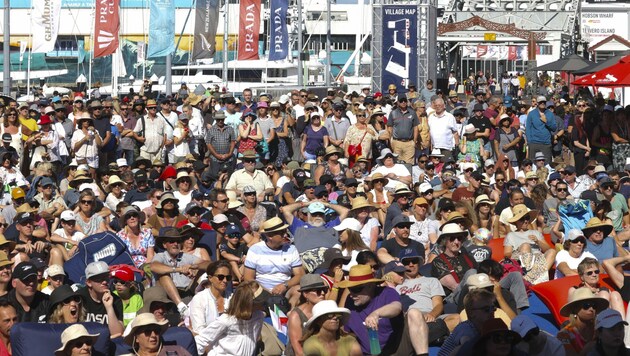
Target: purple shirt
314, 139
386, 326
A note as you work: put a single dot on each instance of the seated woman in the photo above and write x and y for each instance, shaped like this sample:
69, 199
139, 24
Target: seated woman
568, 260
589, 272
139, 240
582, 309
207, 305
324, 334
145, 337
529, 246
76, 340
190, 244
65, 239
312, 291
350, 241
66, 306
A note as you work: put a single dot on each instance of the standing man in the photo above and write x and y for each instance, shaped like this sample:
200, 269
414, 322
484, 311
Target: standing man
337, 125
127, 140
102, 125
428, 92
150, 131
170, 120
248, 103
539, 128
220, 141
443, 129
403, 130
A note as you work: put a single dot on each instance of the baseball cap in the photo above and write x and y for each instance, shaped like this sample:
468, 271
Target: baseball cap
249, 189
46, 181
219, 219
608, 318
319, 190
425, 187
574, 234
24, 217
17, 193
569, 169
554, 176
299, 175
478, 281
477, 176
24, 270
95, 269
141, 176
489, 162
316, 207
55, 270
124, 273
348, 223
420, 201
541, 99
121, 162
393, 266
410, 253
523, 324
232, 230
401, 220
6, 137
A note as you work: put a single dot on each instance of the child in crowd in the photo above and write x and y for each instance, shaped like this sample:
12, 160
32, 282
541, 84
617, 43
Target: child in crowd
234, 251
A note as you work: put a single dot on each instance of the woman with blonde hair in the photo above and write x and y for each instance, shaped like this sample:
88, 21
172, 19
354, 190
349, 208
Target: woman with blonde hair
359, 137
325, 336
350, 240
237, 331
66, 306
88, 220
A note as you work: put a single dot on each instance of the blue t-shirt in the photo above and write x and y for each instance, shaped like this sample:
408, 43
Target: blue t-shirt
607, 249
314, 139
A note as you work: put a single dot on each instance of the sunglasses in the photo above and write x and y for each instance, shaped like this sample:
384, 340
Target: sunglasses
560, 190
430, 191
249, 194
133, 215
75, 299
500, 180
409, 261
590, 273
423, 161
87, 202
580, 240
319, 291
374, 267
460, 238
249, 161
148, 330
223, 201
337, 316
356, 290
234, 236
80, 342
221, 277
589, 305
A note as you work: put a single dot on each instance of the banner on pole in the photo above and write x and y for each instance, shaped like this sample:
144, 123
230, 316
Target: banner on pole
279, 44
206, 22
249, 29
161, 28
140, 52
399, 45
106, 26
45, 25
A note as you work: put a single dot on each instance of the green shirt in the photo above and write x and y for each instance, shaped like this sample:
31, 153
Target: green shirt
131, 307
619, 207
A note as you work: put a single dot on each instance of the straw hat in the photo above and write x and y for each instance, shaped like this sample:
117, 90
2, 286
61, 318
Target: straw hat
274, 224
326, 307
360, 203
144, 319
581, 296
250, 154
166, 196
170, 234
26, 208
402, 189
181, 175
481, 199
331, 149
359, 274
377, 176
595, 224
71, 333
521, 210
84, 116
4, 259
450, 230
115, 179
79, 178
194, 99
457, 218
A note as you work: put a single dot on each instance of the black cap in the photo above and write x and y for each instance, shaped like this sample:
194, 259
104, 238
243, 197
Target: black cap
477, 176
326, 178
446, 203
141, 176
569, 169
478, 107
590, 195
138, 102
429, 165
402, 98
230, 100
320, 190
199, 166
24, 270
299, 175
39, 262
350, 181
24, 217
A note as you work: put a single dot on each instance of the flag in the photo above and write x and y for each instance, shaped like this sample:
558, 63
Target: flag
279, 44
512, 55
106, 26
140, 52
206, 22
279, 319
45, 25
249, 29
161, 28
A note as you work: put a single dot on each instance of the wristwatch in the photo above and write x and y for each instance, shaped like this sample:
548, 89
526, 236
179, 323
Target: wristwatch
286, 284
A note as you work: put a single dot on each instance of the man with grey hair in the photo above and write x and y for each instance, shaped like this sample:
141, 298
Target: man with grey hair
443, 129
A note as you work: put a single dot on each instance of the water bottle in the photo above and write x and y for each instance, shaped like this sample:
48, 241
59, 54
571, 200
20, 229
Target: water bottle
375, 346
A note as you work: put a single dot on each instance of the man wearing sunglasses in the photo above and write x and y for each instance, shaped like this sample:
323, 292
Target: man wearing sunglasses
101, 305
618, 203
540, 127
393, 247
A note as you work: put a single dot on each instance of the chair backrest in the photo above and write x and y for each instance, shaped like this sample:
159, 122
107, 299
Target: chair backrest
173, 336
29, 339
496, 245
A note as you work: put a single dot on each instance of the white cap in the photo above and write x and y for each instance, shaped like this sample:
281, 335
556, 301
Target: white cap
83, 167
283, 99
121, 162
489, 162
55, 270
574, 234
425, 187
349, 223
219, 219
48, 109
68, 215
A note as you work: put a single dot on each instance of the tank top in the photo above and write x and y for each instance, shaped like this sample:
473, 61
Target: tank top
303, 319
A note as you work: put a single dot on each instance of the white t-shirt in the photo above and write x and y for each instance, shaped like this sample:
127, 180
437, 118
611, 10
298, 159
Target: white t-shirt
183, 148
572, 262
397, 169
184, 200
420, 230
442, 129
77, 236
272, 267
282, 181
366, 230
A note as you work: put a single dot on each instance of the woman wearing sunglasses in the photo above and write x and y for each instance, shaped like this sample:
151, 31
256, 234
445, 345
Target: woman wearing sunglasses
66, 306
324, 334
313, 291
145, 337
573, 253
88, 220
207, 305
589, 272
582, 309
76, 340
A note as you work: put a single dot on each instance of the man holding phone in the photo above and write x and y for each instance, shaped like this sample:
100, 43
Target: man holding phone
539, 129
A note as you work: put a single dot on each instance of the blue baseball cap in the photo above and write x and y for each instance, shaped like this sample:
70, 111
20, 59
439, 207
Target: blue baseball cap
409, 253
316, 207
553, 176
507, 101
232, 230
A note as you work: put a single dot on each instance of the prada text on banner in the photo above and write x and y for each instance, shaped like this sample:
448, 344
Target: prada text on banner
249, 28
279, 46
106, 26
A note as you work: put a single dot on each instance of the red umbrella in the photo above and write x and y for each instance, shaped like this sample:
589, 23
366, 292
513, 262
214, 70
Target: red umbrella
617, 75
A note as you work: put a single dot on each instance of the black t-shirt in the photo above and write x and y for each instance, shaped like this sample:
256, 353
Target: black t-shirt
102, 126
292, 189
344, 200
38, 312
96, 312
625, 290
504, 202
481, 124
394, 249
479, 253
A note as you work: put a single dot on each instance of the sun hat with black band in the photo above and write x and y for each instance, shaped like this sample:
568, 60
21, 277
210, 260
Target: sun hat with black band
376, 177
359, 275
71, 333
168, 235
457, 218
450, 230
580, 296
311, 281
274, 224
189, 230
330, 150
596, 224
326, 307
402, 189
519, 211
166, 196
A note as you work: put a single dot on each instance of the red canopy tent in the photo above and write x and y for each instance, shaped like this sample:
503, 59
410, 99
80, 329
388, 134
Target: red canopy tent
617, 75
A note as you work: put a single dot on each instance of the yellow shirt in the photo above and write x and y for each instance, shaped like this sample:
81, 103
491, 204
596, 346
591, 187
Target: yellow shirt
30, 124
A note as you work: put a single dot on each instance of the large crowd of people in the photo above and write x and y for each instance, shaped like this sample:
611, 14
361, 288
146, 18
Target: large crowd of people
352, 224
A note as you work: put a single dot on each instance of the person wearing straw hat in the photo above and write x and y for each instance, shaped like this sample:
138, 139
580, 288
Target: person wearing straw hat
609, 335
598, 240
331, 165
402, 194
145, 337
183, 188
324, 333
150, 131
116, 192
369, 229
389, 168
274, 251
250, 176
86, 142
582, 309
76, 340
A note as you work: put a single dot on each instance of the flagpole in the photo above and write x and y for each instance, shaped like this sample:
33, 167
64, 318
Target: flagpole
6, 50
28, 61
226, 14
87, 90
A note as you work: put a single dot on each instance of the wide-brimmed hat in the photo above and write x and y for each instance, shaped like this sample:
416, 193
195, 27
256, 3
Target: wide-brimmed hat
596, 224
165, 196
505, 117
359, 274
191, 230
130, 210
377, 176
377, 112
483, 199
311, 281
326, 307
452, 229
71, 333
332, 150
385, 152
79, 178
521, 210
144, 319
194, 99
360, 203
152, 295
251, 154
457, 218
402, 189
115, 179
60, 294
10, 244
4, 259
581, 296
181, 175
168, 234
274, 224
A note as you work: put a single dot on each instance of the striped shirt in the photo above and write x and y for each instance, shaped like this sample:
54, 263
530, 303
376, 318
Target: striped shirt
272, 267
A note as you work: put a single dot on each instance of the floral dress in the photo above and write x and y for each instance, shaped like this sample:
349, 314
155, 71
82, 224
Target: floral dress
472, 152
356, 136
138, 253
283, 149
